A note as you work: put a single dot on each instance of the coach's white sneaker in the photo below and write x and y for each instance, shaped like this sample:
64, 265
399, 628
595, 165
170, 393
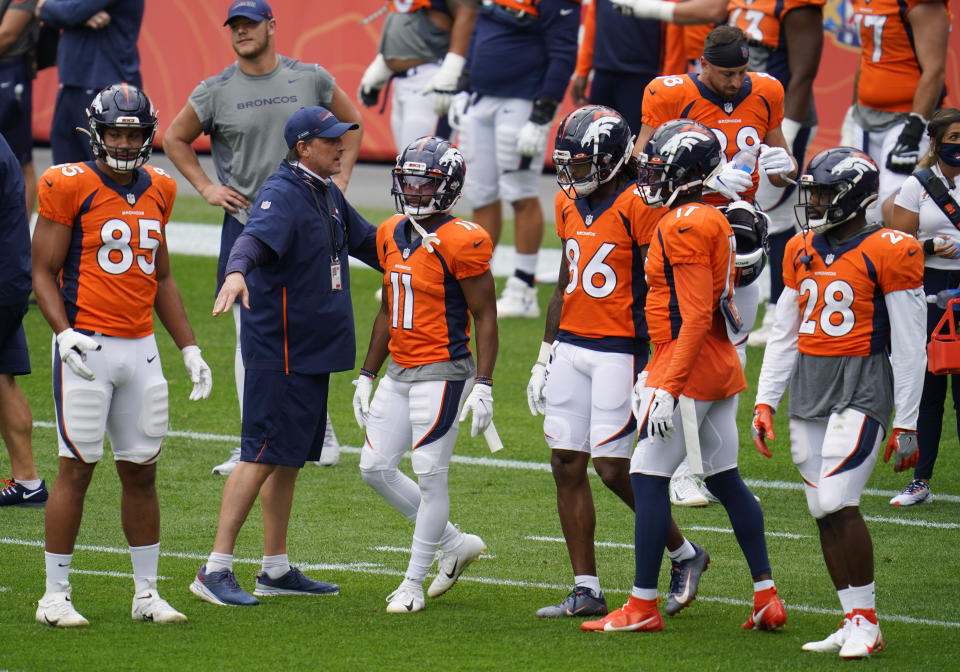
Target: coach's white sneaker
863, 635
149, 606
406, 599
56, 609
330, 453
518, 300
450, 564
224, 468
758, 337
834, 641
684, 491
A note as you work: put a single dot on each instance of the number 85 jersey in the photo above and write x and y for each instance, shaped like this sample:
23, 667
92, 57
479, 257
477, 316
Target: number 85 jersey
108, 280
841, 290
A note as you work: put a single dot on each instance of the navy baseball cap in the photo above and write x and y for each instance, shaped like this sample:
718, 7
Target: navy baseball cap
314, 122
255, 10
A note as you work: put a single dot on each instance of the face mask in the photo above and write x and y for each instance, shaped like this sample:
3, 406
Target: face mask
950, 154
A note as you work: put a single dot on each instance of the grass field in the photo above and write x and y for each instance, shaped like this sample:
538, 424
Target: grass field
342, 531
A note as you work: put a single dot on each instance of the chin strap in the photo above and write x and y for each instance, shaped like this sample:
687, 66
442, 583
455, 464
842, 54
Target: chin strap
427, 239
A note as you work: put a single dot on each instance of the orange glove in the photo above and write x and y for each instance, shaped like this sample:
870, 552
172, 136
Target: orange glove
903, 442
762, 428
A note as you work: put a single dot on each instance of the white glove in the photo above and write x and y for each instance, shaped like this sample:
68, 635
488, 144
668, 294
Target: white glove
536, 399
775, 160
374, 78
457, 110
661, 10
637, 393
848, 129
730, 181
444, 83
480, 401
660, 416
199, 373
361, 399
532, 139
71, 346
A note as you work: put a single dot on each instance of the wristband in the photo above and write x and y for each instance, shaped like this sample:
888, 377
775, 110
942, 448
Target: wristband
484, 380
544, 108
929, 246
368, 373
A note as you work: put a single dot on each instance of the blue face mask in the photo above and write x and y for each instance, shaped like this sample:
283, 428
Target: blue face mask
950, 154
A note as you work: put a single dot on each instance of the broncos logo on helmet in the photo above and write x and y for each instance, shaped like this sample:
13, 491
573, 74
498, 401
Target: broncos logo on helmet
428, 177
843, 181
679, 157
592, 144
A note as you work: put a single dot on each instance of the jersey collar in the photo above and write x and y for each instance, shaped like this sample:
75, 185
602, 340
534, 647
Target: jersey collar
400, 233
728, 106
134, 190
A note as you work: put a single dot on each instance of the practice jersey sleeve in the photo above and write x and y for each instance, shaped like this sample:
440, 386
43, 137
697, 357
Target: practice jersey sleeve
473, 253
660, 102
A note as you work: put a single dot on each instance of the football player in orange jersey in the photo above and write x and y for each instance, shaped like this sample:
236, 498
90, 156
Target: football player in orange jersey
689, 271
594, 344
898, 85
100, 270
850, 357
436, 276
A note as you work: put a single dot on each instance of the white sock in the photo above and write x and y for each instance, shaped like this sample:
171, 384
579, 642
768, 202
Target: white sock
845, 600
217, 562
685, 552
275, 566
145, 561
862, 597
587, 581
238, 370
763, 585
644, 593
31, 484
527, 263
58, 570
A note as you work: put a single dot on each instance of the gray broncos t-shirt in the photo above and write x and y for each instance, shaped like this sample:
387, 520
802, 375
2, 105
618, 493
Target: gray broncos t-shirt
244, 116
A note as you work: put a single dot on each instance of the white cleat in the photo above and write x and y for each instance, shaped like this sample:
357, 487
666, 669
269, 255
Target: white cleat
833, 643
149, 606
518, 300
405, 600
684, 491
56, 610
224, 468
918, 492
863, 636
451, 564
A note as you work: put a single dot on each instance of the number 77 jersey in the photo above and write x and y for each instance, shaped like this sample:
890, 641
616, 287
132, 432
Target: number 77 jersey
108, 280
842, 289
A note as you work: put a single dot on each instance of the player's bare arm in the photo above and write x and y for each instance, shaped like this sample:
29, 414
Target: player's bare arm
481, 295
555, 305
51, 242
646, 132
378, 348
184, 129
11, 26
464, 17
930, 23
344, 110
804, 25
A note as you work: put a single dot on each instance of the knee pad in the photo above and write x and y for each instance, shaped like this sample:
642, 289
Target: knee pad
85, 415
427, 460
518, 185
154, 412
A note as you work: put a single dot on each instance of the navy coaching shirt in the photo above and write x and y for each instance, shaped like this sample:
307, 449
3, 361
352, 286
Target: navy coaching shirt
297, 323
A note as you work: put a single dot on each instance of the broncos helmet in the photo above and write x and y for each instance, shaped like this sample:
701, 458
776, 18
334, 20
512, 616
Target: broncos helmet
845, 181
679, 157
428, 177
592, 144
121, 106
749, 225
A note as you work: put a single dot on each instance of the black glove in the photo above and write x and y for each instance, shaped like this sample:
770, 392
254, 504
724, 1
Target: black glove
369, 98
906, 153
543, 110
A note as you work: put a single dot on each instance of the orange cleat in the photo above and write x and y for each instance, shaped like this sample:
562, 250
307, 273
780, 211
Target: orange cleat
635, 616
768, 611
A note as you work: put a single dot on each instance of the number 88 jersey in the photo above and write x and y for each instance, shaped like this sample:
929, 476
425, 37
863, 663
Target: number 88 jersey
108, 280
842, 289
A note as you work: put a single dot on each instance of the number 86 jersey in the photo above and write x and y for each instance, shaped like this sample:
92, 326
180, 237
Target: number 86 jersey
841, 289
108, 280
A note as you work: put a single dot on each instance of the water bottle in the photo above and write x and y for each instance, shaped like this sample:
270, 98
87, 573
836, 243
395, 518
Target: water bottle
943, 296
746, 159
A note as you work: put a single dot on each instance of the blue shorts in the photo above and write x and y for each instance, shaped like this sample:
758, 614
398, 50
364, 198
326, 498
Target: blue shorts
623, 92
284, 417
232, 228
69, 113
14, 357
16, 109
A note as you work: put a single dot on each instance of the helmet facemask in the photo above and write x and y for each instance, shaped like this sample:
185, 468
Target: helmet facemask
420, 192
122, 159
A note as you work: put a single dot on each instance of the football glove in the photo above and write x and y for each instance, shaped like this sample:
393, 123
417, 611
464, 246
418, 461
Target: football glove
905, 154
637, 393
199, 372
661, 10
443, 84
361, 399
902, 443
660, 415
775, 160
374, 78
848, 128
762, 428
536, 397
71, 345
457, 110
480, 401
730, 181
532, 139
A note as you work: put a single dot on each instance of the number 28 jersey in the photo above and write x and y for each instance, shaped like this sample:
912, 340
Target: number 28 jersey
108, 281
842, 306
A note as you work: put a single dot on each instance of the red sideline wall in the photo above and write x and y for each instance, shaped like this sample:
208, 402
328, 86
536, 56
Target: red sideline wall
183, 41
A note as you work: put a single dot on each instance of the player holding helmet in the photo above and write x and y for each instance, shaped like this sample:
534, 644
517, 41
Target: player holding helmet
436, 275
100, 269
849, 363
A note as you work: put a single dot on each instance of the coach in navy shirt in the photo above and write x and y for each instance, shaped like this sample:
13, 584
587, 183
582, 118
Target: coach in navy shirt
289, 267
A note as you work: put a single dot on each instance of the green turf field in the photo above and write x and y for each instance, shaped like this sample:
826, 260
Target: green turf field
343, 532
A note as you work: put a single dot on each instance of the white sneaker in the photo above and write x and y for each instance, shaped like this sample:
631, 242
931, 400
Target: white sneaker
759, 336
917, 492
56, 609
518, 300
863, 637
834, 641
405, 600
684, 491
330, 453
225, 468
450, 564
149, 606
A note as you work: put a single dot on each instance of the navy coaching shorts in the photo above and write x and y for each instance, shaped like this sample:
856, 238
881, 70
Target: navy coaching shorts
284, 417
14, 357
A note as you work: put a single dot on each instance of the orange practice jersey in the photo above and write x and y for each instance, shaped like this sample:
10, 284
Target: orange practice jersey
108, 281
888, 63
760, 19
603, 300
739, 124
841, 295
429, 318
689, 270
